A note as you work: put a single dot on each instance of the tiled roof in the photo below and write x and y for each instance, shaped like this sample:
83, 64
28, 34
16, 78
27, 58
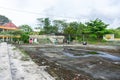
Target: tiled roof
10, 25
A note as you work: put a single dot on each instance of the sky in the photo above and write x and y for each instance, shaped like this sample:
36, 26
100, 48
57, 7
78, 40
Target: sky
27, 11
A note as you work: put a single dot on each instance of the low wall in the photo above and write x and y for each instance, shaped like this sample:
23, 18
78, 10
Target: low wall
52, 38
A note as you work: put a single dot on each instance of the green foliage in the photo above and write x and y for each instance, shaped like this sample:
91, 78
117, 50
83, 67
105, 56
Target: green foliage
57, 26
118, 28
60, 24
81, 28
45, 22
71, 30
41, 32
53, 29
93, 37
97, 27
93, 52
25, 37
90, 31
17, 32
26, 28
25, 56
3, 20
116, 32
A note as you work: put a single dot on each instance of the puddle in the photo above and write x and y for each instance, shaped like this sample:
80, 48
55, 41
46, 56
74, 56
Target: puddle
107, 55
86, 54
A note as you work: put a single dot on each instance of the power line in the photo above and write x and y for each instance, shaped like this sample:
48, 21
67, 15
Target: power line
30, 12
11, 9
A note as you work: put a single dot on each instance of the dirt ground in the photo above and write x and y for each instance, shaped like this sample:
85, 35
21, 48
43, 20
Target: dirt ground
77, 62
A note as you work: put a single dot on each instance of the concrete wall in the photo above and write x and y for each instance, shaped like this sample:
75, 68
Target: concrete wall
52, 38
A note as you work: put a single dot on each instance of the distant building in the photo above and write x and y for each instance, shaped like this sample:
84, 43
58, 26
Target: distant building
52, 38
4, 36
110, 37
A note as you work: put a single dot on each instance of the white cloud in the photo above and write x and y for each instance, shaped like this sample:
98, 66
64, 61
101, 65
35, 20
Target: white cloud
24, 12
115, 24
107, 10
83, 10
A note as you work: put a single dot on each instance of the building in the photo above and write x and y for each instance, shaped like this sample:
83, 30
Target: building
5, 29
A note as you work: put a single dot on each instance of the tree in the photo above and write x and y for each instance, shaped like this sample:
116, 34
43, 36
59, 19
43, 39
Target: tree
71, 30
60, 24
17, 34
81, 31
3, 20
26, 28
97, 27
118, 28
116, 32
45, 23
47, 28
41, 22
25, 37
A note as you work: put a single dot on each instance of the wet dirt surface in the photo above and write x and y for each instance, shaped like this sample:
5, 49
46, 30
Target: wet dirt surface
74, 63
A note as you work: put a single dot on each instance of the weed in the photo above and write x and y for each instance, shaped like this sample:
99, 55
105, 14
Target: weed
92, 52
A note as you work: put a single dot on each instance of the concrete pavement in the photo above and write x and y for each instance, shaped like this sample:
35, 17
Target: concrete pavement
5, 73
14, 65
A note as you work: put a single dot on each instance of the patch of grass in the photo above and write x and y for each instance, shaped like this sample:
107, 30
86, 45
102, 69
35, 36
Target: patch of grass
93, 52
78, 54
23, 52
25, 56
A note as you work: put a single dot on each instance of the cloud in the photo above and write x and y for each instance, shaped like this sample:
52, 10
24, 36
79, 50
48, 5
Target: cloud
115, 23
24, 12
82, 10
106, 10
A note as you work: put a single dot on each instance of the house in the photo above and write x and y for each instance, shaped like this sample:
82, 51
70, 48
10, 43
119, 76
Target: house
4, 31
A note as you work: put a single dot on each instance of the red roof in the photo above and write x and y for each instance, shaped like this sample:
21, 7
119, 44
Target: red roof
10, 25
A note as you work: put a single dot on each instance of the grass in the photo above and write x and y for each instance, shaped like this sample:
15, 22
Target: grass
23, 52
78, 54
25, 56
92, 52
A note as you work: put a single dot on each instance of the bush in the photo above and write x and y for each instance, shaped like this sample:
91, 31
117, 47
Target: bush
25, 37
93, 36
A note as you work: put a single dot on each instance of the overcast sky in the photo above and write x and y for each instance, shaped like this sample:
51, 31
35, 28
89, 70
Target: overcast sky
26, 11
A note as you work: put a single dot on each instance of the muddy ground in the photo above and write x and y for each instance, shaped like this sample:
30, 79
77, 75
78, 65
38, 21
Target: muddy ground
77, 63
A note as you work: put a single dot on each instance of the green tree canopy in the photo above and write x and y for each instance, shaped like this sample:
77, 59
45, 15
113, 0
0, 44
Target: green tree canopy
97, 27
26, 28
60, 24
47, 27
3, 20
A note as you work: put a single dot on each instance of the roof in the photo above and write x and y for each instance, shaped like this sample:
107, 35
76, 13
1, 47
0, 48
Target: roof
9, 25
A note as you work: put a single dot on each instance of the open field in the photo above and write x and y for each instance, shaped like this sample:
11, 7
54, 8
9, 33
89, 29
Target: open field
77, 62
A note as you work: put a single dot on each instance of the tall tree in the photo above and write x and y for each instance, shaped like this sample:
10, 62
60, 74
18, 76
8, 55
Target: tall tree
118, 28
81, 31
117, 32
3, 20
97, 27
45, 24
48, 26
60, 24
41, 22
71, 30
26, 28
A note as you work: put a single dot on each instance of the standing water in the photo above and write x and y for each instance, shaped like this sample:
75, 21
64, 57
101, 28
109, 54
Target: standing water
87, 53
